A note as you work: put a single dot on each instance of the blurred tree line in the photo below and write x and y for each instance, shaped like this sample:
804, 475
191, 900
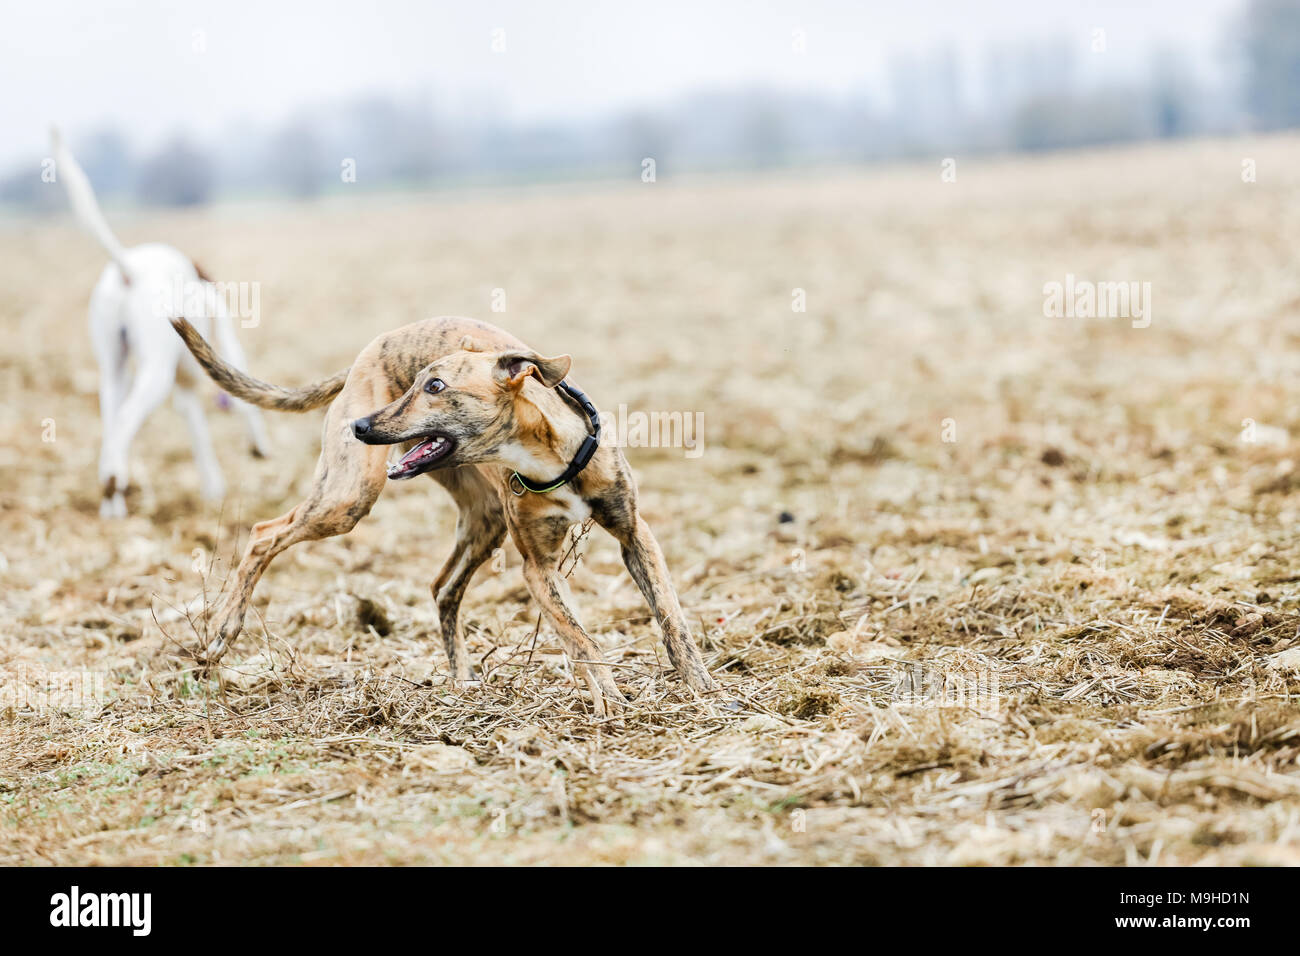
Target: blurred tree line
1271, 40
1032, 99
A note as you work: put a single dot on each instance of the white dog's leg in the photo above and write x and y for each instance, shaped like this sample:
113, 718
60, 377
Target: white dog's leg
108, 340
255, 426
156, 375
223, 330
112, 389
211, 483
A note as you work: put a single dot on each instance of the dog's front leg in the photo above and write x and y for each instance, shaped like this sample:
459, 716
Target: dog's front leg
223, 331
480, 529
539, 540
475, 542
645, 562
112, 390
153, 381
111, 353
211, 483
550, 591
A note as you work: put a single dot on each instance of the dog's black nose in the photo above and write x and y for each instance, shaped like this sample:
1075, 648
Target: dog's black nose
361, 428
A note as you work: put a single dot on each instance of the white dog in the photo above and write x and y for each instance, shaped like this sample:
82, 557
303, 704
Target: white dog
130, 309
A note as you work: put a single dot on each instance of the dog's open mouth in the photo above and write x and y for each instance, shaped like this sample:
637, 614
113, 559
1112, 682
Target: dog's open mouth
422, 457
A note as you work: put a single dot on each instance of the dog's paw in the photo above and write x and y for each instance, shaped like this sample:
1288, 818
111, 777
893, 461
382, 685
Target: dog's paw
259, 442
113, 506
208, 655
611, 703
466, 680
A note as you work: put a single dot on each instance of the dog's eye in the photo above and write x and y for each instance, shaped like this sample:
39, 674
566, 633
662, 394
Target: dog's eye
434, 386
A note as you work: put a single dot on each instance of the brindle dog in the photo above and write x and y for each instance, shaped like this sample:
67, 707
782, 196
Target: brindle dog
476, 407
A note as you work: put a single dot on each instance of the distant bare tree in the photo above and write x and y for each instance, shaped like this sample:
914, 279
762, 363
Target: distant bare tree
1272, 46
297, 160
1173, 89
107, 161
105, 158
396, 139
763, 139
639, 134
1070, 122
24, 188
177, 175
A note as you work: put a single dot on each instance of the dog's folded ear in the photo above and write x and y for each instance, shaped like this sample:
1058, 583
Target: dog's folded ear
513, 367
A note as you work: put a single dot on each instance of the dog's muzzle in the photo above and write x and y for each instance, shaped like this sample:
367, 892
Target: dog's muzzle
430, 451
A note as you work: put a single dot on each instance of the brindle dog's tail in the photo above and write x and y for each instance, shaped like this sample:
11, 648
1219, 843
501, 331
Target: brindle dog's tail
252, 390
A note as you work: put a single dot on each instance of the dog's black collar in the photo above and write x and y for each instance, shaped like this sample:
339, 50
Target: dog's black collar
580, 460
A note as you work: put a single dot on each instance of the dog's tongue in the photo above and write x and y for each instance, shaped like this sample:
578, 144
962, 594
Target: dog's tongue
399, 470
419, 451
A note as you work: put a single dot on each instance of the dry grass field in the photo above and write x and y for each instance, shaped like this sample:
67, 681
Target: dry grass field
982, 586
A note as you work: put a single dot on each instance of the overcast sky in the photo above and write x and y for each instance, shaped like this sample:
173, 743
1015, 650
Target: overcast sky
150, 67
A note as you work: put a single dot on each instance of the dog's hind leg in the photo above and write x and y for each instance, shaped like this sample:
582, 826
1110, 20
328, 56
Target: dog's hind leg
539, 541
154, 378
211, 483
349, 477
112, 390
480, 529
258, 442
223, 331
109, 341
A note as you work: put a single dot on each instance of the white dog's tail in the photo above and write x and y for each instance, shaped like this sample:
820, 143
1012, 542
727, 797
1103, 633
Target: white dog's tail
84, 206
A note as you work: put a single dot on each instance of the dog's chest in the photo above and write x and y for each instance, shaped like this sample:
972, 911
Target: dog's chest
570, 504
560, 503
